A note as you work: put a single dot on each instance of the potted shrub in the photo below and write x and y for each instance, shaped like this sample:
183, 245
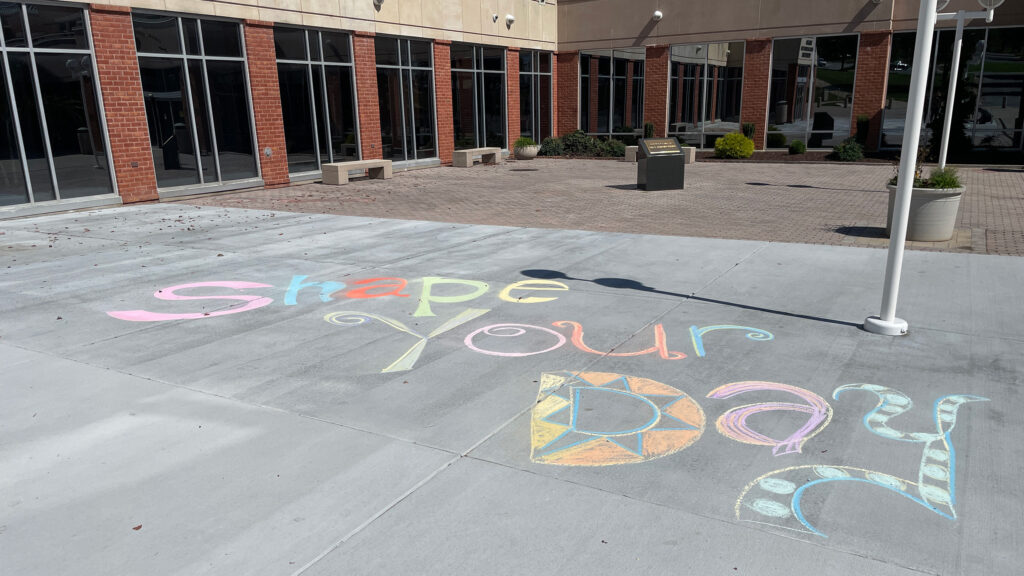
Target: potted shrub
525, 148
934, 203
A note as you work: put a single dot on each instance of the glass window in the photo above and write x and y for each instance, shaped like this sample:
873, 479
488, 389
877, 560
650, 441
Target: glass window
535, 95
51, 126
73, 124
406, 99
156, 34
13, 24
612, 88
191, 28
289, 43
298, 117
221, 38
386, 50
197, 107
231, 125
57, 27
811, 96
478, 96
12, 172
1000, 118
336, 48
31, 127
318, 101
170, 135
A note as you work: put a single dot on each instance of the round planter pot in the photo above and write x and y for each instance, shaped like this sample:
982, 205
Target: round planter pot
527, 152
932, 213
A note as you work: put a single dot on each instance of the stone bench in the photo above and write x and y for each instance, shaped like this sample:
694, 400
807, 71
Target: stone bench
464, 158
631, 153
337, 173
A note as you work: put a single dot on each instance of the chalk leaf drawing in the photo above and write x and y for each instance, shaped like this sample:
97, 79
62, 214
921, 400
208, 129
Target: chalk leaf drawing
733, 424
602, 419
765, 499
408, 360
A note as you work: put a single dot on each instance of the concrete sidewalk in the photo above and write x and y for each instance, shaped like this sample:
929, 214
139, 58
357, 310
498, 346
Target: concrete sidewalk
201, 390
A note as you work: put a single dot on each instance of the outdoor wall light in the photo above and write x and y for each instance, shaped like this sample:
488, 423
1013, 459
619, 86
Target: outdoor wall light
509, 19
657, 16
378, 3
494, 17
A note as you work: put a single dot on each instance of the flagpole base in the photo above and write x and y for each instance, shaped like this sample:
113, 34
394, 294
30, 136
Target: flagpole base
876, 325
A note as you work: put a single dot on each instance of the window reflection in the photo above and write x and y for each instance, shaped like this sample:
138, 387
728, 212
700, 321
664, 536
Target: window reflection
405, 98
611, 90
478, 96
705, 91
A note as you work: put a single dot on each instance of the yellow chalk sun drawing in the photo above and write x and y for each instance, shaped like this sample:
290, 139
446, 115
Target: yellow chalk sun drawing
603, 419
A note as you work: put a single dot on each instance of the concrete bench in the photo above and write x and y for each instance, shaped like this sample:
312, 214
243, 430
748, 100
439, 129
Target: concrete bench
337, 173
631, 153
464, 158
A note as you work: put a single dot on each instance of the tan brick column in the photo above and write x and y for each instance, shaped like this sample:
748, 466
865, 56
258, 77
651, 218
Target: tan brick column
872, 80
756, 76
118, 68
443, 94
512, 73
656, 89
365, 58
266, 100
565, 92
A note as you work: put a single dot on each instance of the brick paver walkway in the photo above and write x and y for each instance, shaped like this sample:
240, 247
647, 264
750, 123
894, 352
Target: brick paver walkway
806, 203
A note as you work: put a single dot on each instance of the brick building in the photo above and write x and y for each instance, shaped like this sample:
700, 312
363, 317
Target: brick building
136, 100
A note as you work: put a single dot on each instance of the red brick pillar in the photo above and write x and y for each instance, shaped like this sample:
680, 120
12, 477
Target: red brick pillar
714, 95
365, 58
695, 108
756, 75
566, 94
512, 72
123, 104
872, 80
443, 94
266, 98
656, 89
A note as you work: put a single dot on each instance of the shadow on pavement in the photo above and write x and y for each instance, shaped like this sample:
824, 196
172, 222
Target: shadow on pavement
861, 231
626, 284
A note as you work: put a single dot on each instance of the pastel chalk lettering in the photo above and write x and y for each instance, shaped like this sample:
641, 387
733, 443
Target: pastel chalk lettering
365, 286
297, 284
252, 302
531, 285
427, 295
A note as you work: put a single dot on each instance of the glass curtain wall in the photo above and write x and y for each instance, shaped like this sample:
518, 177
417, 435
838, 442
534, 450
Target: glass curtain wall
318, 100
405, 96
989, 106
612, 91
52, 143
478, 96
812, 90
535, 94
705, 92
196, 90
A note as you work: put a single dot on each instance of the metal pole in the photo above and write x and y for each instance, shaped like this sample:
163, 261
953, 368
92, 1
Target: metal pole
886, 322
954, 73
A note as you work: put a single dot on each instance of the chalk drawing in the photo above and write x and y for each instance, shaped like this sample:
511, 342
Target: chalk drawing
733, 424
364, 291
511, 331
252, 302
603, 419
291, 295
408, 360
775, 498
697, 335
660, 342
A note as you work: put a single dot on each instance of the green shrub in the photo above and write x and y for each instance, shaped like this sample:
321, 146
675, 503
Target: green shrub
552, 147
523, 142
648, 130
944, 178
797, 147
734, 145
748, 130
579, 144
775, 138
612, 149
848, 151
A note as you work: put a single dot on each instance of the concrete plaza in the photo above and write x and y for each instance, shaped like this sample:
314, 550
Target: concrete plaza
192, 389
